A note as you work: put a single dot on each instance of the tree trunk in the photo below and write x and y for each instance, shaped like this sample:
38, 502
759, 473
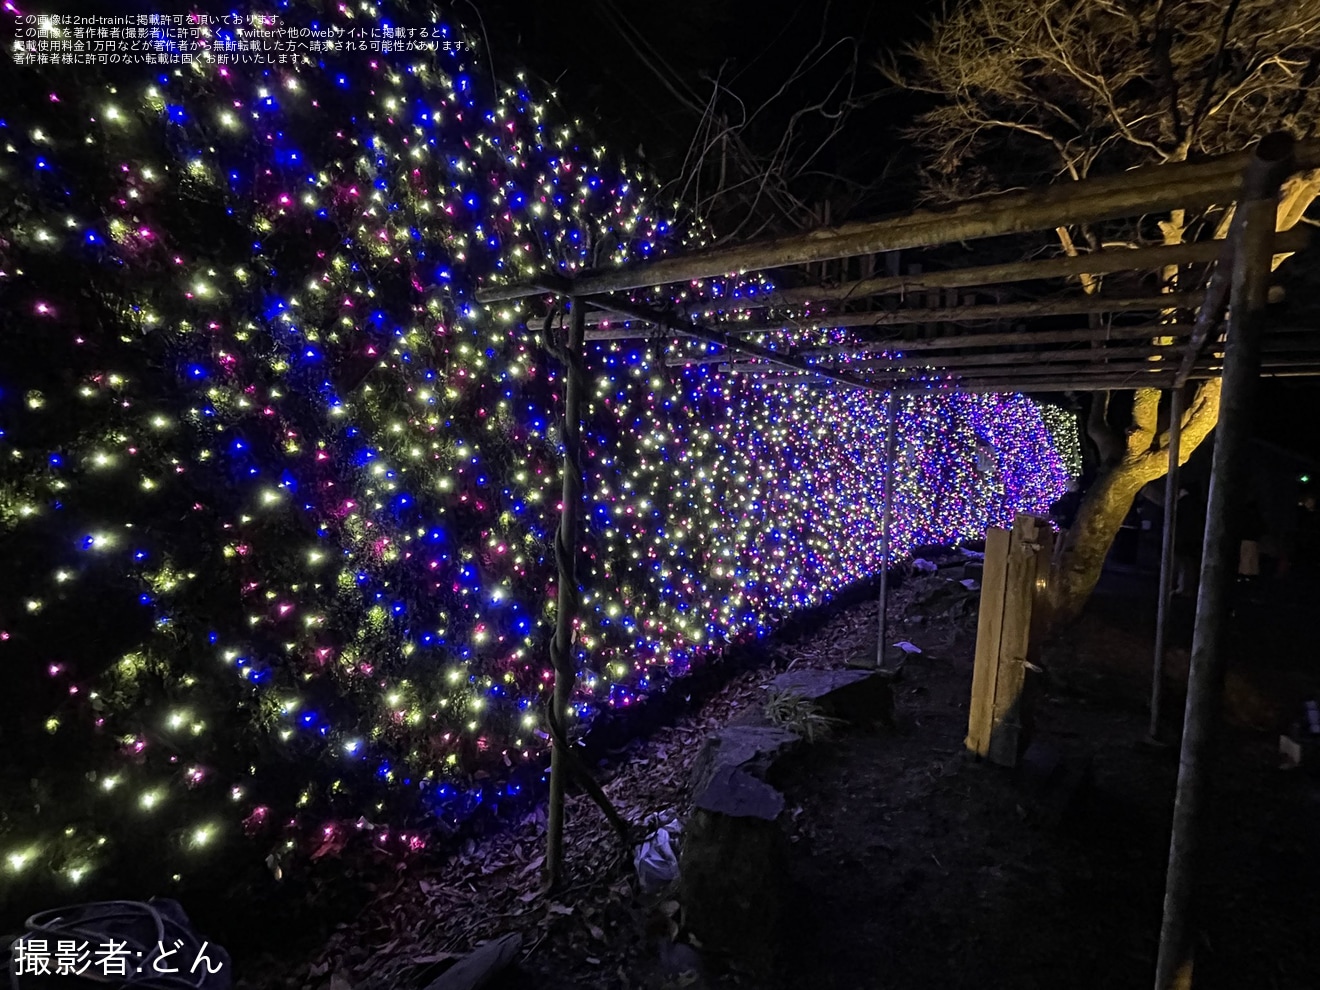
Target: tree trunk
1110, 497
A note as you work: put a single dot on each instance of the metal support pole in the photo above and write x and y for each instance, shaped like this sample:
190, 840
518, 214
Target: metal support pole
891, 448
1255, 222
561, 646
1166, 557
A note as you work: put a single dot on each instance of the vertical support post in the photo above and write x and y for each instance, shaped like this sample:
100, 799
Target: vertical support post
1171, 490
891, 452
1253, 251
561, 646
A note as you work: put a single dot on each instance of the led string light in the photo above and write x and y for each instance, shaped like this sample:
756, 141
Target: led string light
279, 496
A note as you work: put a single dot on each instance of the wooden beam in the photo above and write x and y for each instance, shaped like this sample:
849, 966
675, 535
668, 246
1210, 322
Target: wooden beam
1010, 338
1098, 263
1085, 355
1066, 306
1187, 185
1280, 351
643, 331
1058, 306
710, 335
1140, 374
1278, 339
1061, 385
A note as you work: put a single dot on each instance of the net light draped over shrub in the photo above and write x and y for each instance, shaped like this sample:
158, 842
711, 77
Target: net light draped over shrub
277, 497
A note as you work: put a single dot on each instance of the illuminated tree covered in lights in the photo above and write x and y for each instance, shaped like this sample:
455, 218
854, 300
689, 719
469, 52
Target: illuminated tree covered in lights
277, 496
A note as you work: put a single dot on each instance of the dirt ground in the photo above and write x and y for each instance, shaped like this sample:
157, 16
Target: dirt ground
921, 868
914, 866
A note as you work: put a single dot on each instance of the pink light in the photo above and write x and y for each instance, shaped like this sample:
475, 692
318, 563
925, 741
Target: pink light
44, 310
54, 98
55, 669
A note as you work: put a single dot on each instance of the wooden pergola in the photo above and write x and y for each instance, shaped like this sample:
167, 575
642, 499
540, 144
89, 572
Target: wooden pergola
1207, 323
951, 338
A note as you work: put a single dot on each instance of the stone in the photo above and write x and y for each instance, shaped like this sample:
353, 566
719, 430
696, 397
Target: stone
734, 889
856, 696
479, 967
734, 792
753, 748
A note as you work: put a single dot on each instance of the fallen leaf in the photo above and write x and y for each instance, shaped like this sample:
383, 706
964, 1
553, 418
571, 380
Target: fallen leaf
533, 866
557, 908
435, 957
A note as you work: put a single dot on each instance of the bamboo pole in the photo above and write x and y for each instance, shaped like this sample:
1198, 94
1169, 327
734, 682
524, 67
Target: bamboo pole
1166, 558
1059, 306
1076, 355
1253, 253
1098, 263
561, 646
891, 452
1186, 185
713, 336
1015, 337
1277, 340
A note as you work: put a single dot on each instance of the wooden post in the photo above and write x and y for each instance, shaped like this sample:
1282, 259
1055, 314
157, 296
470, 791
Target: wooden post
1252, 256
1166, 558
989, 630
891, 452
561, 646
1010, 625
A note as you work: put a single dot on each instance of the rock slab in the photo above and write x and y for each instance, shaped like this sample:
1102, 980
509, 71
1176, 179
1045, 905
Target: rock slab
734, 864
859, 697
